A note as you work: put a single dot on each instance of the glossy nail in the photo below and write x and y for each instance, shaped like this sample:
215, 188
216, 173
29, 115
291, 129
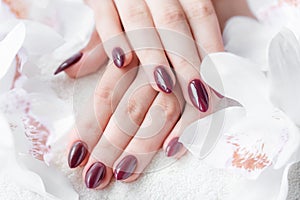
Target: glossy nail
95, 175
125, 168
77, 154
69, 62
173, 147
118, 57
198, 95
163, 79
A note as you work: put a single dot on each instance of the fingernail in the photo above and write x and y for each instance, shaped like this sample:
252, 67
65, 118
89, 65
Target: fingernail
198, 95
173, 147
95, 175
118, 57
125, 168
163, 79
68, 63
77, 154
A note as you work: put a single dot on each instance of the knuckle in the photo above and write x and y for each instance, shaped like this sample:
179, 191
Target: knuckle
200, 9
103, 95
170, 107
135, 13
169, 16
135, 110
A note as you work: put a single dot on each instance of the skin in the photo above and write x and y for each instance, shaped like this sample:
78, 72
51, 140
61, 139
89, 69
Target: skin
123, 111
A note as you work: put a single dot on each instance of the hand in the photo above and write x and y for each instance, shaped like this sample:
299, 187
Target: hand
193, 19
116, 139
124, 142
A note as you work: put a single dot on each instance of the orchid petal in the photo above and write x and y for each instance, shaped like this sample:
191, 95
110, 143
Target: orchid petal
201, 136
266, 186
5, 12
10, 46
63, 16
248, 38
238, 79
284, 77
256, 6
234, 78
253, 137
6, 142
31, 171
55, 182
10, 168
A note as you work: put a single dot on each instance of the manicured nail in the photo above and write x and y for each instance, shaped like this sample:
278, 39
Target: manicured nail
125, 168
95, 175
69, 62
118, 57
77, 154
217, 94
163, 79
198, 95
173, 147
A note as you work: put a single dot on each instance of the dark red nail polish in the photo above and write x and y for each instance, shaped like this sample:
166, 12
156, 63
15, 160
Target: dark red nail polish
77, 154
173, 147
125, 168
118, 57
95, 175
198, 95
163, 79
69, 62
217, 93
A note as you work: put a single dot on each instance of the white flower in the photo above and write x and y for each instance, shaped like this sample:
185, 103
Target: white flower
261, 139
37, 118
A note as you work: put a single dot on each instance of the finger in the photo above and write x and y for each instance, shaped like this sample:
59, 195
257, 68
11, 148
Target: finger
110, 30
121, 127
172, 147
174, 29
163, 115
93, 118
85, 62
137, 22
204, 24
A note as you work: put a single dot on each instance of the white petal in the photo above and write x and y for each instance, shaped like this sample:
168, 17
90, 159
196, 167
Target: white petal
239, 79
201, 137
5, 12
248, 38
10, 168
27, 172
55, 182
257, 6
73, 20
267, 186
40, 39
6, 142
235, 78
10, 46
284, 56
